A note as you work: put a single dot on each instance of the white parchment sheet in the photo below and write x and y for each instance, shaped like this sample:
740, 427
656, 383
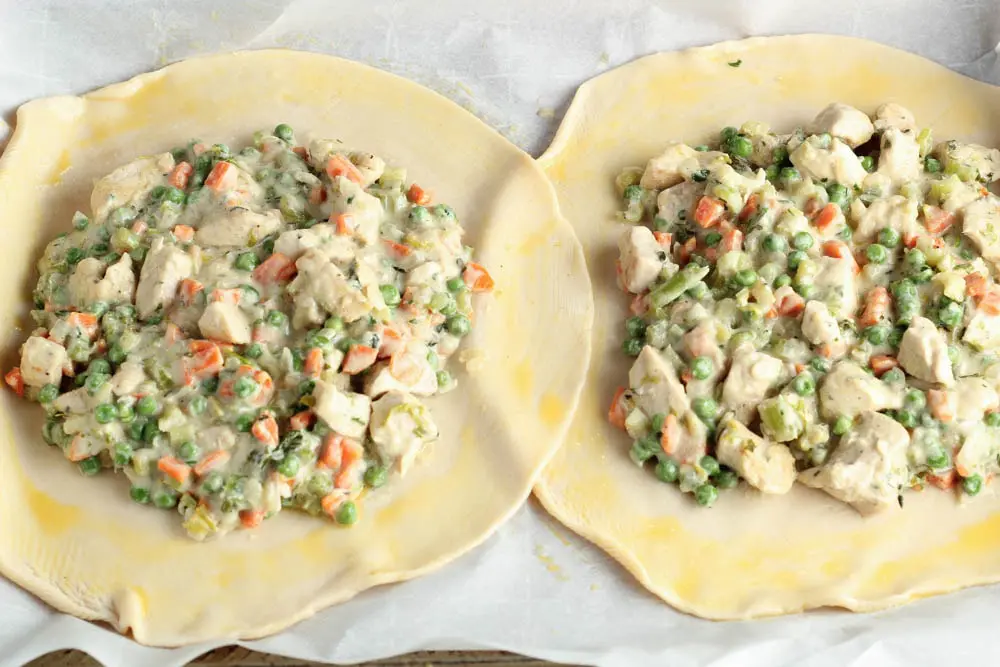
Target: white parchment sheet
532, 588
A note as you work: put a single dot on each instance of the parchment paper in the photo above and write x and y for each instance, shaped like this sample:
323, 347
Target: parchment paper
533, 588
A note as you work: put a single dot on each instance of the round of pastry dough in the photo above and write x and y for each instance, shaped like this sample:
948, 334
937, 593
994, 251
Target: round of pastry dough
748, 555
84, 548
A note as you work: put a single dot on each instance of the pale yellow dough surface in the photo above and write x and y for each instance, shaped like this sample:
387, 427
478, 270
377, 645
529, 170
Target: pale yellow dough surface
748, 555
85, 548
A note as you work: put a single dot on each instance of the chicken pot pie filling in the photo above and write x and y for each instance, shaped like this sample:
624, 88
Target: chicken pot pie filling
243, 332
816, 307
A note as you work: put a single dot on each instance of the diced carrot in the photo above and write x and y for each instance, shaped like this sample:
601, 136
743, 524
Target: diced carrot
639, 304
359, 357
302, 152
616, 413
180, 174
711, 254
877, 303
251, 518
330, 455
300, 421
206, 358
78, 449
671, 434
85, 322
753, 203
338, 165
976, 285
265, 430
199, 148
942, 404
174, 468
880, 363
732, 240
222, 177
232, 296
945, 480
392, 341
418, 195
398, 250
664, 239
405, 368
183, 233
989, 303
15, 380
313, 364
172, 334
910, 240
772, 313
686, 376
685, 250
189, 289
317, 195
276, 268
840, 250
139, 227
351, 455
811, 207
791, 305
332, 502
211, 461
344, 223
477, 278
832, 350
826, 216
937, 219
800, 368
708, 211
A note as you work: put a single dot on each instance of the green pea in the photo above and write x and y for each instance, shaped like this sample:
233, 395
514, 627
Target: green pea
320, 484
922, 276
907, 418
728, 133
289, 466
135, 429
245, 422
702, 368
705, 495
147, 406
842, 425
139, 494
458, 325
80, 221
116, 353
213, 483
705, 408
247, 261
306, 387
775, 243
105, 413
713, 239
443, 379
789, 175
937, 458
992, 419
641, 450
165, 499
779, 154
656, 422
868, 163
390, 294
805, 290
950, 314
771, 172
197, 405
421, 217
726, 479
254, 351
170, 194
276, 318
632, 346
635, 326
803, 241
150, 431
455, 284
795, 258
667, 470
99, 366
932, 164
284, 132
804, 384
74, 255
739, 146
244, 387
915, 400
838, 194
972, 485
893, 376
876, 334
121, 454
189, 452
91, 466
820, 364
376, 476
782, 280
48, 393
95, 381
888, 237
126, 413
915, 259
745, 278
250, 293
347, 514
876, 253
441, 302
709, 465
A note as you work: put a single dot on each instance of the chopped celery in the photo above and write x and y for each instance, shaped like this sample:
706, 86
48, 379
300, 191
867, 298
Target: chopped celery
944, 188
925, 141
730, 195
200, 524
682, 281
733, 262
636, 424
656, 334
393, 177
783, 418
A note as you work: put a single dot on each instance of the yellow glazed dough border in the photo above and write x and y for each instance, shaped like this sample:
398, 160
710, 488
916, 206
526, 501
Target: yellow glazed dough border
748, 556
84, 548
